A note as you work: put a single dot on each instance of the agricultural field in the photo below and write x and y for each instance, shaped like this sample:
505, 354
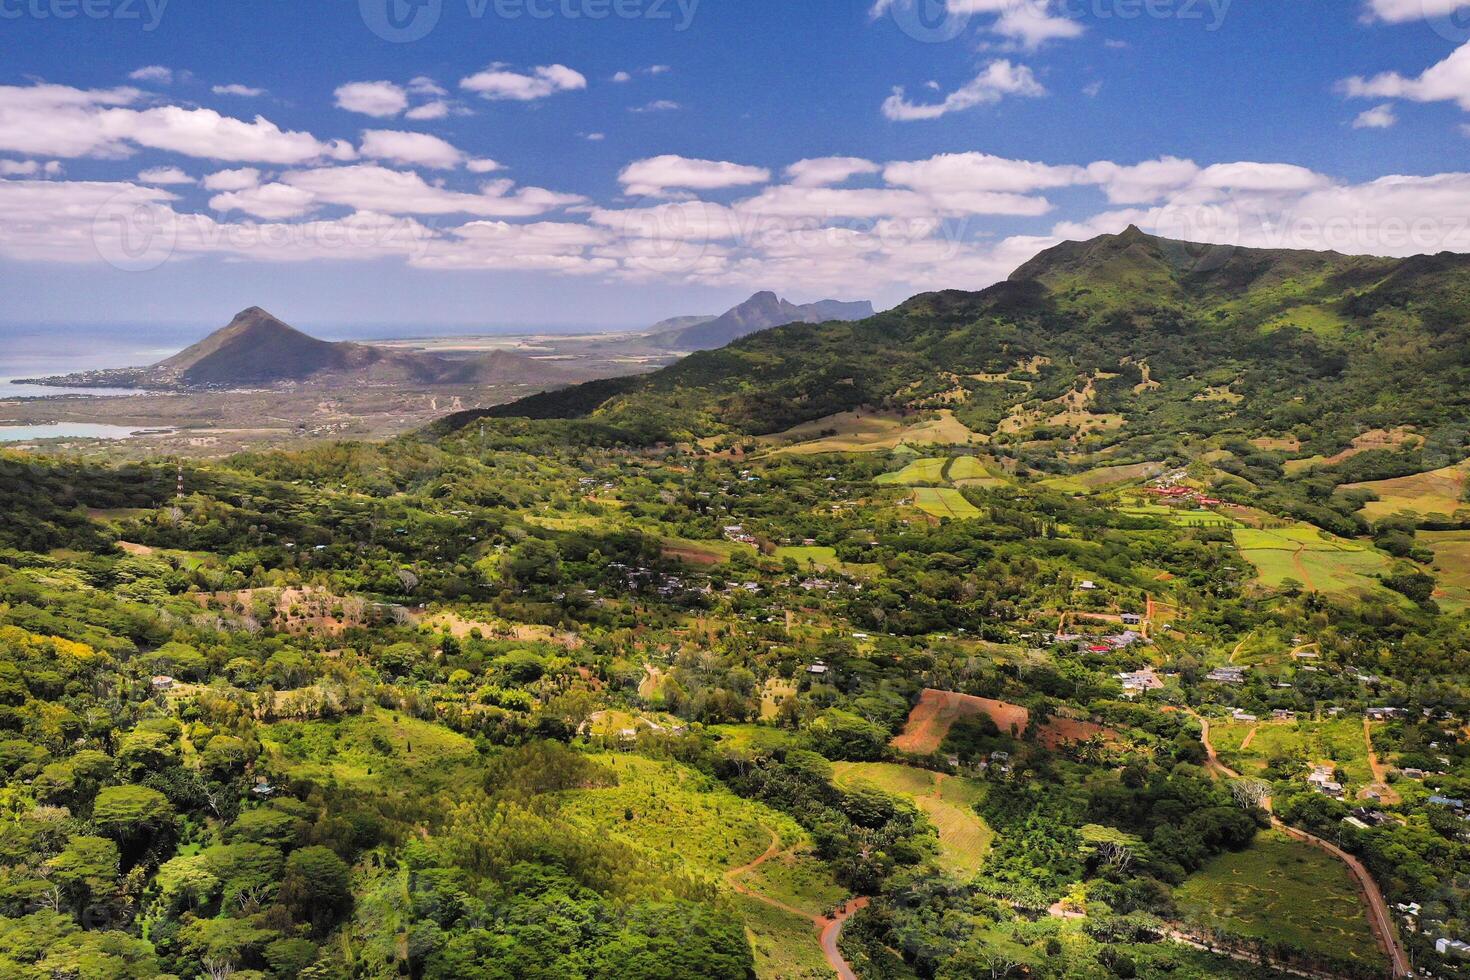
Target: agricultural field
1281, 891
1451, 566
937, 711
1338, 741
785, 945
1178, 517
825, 559
928, 470
943, 502
1104, 476
949, 803
972, 471
1312, 558
704, 552
1439, 492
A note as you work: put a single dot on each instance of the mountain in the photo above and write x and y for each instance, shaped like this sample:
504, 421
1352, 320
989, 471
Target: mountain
761, 312
1126, 343
258, 350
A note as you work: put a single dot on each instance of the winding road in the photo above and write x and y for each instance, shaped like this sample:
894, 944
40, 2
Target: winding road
829, 927
1378, 915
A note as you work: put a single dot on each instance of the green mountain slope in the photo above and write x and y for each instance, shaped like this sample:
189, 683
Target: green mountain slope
1176, 340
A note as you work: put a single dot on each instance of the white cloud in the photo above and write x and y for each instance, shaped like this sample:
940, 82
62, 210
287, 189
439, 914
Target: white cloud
1447, 81
657, 105
232, 180
378, 99
824, 171
544, 245
1092, 89
54, 120
424, 85
499, 83
427, 111
1379, 117
243, 91
1261, 177
1144, 182
153, 73
482, 166
274, 202
954, 173
367, 187
164, 175
29, 168
594, 137
622, 77
656, 175
1399, 11
1030, 22
414, 149
998, 80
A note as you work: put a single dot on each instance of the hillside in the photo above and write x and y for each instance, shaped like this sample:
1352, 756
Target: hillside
761, 312
256, 349
1168, 342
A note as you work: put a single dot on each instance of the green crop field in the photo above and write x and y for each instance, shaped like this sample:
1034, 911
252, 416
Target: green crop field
972, 471
377, 750
928, 470
943, 502
1436, 492
949, 803
1312, 558
1281, 891
785, 945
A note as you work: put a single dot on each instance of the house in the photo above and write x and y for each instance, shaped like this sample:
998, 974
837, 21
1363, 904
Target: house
163, 683
1448, 801
817, 669
1140, 681
1355, 822
1452, 947
1373, 818
1408, 908
1131, 619
1240, 715
1227, 675
1088, 585
1280, 715
1384, 714
1321, 780
1412, 773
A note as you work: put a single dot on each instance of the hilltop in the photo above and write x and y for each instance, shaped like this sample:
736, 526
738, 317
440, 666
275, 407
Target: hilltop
256, 349
762, 311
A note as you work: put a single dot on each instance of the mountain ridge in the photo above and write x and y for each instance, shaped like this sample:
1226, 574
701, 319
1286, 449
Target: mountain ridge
761, 311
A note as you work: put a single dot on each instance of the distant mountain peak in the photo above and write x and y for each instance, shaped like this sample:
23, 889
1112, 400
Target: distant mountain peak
763, 311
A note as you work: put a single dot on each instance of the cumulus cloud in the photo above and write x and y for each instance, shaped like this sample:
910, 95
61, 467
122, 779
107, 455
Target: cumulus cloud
232, 180
1447, 81
655, 176
998, 80
54, 120
29, 168
153, 73
274, 202
414, 149
1379, 117
429, 110
1144, 182
368, 187
824, 171
164, 175
243, 91
499, 83
378, 99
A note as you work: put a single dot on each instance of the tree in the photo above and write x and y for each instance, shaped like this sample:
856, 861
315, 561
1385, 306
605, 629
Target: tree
137, 817
317, 886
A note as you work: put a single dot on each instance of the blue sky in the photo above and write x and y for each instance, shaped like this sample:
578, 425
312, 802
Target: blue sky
177, 161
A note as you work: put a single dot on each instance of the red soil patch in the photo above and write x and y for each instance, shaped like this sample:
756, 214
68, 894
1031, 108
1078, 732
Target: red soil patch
937, 711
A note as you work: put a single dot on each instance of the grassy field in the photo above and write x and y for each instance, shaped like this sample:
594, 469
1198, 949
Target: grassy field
1104, 476
1311, 557
1436, 492
943, 502
949, 803
1283, 891
1182, 518
825, 559
928, 470
785, 945
1451, 566
972, 471
1338, 740
374, 751
676, 810
703, 552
